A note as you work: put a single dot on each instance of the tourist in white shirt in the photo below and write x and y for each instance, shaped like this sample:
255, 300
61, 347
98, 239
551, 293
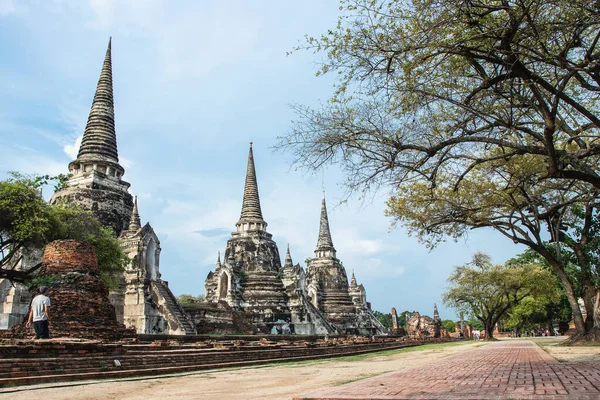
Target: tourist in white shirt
39, 314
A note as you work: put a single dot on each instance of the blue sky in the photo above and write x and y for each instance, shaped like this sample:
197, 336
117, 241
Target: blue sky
194, 82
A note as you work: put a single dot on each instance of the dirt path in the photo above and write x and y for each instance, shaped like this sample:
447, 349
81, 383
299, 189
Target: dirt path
570, 353
277, 382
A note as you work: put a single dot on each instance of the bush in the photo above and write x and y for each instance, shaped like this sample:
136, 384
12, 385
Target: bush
449, 325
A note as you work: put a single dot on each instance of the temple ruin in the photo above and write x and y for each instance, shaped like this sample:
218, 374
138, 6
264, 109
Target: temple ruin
424, 326
249, 290
142, 300
80, 305
251, 279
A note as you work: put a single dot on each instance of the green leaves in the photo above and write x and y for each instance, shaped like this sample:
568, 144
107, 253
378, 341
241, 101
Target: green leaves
27, 220
488, 292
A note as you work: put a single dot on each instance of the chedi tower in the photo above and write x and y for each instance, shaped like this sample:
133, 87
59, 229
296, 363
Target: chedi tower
327, 282
249, 277
96, 176
345, 306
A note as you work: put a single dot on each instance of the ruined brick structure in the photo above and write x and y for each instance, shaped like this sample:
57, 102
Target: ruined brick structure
251, 279
80, 306
425, 326
249, 288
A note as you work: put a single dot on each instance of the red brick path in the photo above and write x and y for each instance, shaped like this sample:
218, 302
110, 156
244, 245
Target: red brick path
499, 370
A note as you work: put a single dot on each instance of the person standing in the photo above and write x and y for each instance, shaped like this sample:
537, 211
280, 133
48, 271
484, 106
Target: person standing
39, 314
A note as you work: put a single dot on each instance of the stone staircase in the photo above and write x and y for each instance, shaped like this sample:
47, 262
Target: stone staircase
56, 361
170, 309
317, 317
376, 322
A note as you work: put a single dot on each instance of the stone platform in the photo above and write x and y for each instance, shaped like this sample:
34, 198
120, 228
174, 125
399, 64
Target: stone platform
27, 362
501, 370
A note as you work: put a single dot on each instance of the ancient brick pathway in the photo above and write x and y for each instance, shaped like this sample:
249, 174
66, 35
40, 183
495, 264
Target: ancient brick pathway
499, 370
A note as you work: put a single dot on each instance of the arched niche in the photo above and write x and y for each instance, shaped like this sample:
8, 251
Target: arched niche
151, 260
312, 294
224, 284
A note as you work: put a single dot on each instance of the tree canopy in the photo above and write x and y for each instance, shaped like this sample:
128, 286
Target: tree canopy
487, 291
475, 113
27, 221
427, 85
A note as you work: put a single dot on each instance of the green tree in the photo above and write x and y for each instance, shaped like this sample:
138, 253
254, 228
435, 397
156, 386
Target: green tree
556, 307
75, 223
26, 220
449, 325
385, 319
190, 299
476, 324
487, 291
477, 114
530, 313
427, 83
402, 318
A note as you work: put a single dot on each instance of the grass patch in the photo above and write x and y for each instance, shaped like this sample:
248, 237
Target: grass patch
358, 378
547, 342
392, 352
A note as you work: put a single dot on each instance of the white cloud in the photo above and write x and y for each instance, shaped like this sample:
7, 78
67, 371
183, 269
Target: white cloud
72, 149
349, 241
126, 162
29, 161
8, 7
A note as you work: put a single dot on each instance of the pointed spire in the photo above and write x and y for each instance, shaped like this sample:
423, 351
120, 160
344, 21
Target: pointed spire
353, 280
251, 212
436, 314
288, 258
219, 258
99, 139
324, 244
135, 222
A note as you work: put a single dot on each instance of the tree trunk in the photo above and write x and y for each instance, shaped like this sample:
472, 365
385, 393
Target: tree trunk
488, 327
489, 332
589, 300
597, 310
588, 291
568, 286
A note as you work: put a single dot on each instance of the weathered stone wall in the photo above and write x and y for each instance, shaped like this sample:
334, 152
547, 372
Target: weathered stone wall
79, 298
110, 203
423, 326
14, 296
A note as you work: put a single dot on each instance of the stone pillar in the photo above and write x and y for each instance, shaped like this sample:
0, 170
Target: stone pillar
395, 328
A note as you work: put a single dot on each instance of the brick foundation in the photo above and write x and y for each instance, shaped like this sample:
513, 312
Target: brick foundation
80, 306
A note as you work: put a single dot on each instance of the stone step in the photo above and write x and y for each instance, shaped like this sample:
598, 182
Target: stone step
175, 308
152, 369
29, 371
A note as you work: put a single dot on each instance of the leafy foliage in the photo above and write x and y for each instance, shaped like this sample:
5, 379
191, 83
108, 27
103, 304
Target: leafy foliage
77, 224
449, 325
190, 299
385, 319
27, 220
425, 85
476, 113
487, 291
